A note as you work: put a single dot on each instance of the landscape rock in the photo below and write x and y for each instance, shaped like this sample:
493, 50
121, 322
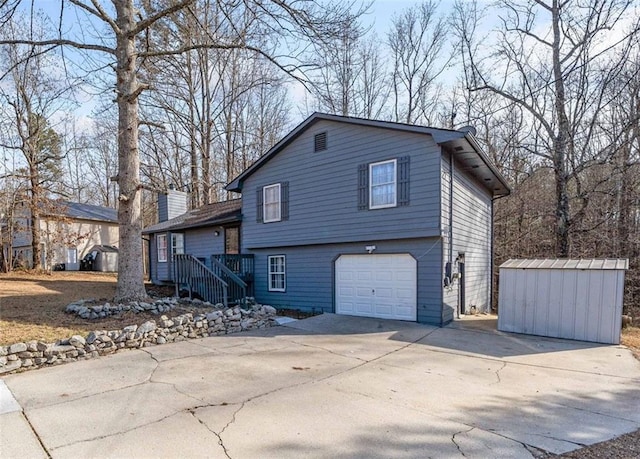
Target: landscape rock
220, 321
17, 347
77, 341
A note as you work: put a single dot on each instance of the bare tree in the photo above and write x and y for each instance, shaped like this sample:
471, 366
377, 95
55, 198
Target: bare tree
32, 95
417, 42
130, 26
550, 59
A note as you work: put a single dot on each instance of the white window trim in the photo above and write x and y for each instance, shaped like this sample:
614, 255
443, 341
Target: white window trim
158, 247
175, 246
284, 273
264, 203
395, 184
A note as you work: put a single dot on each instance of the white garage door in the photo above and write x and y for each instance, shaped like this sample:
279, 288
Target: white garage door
381, 286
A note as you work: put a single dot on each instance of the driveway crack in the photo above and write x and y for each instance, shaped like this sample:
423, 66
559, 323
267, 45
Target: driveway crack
504, 364
35, 433
453, 439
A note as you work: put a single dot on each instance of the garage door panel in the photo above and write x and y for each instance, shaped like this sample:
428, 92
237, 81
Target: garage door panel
382, 286
385, 310
364, 308
386, 292
347, 291
384, 275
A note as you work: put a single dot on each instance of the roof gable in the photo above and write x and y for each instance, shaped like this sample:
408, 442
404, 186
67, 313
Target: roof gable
458, 142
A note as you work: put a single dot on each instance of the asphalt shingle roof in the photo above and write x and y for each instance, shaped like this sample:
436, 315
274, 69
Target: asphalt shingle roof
210, 214
83, 211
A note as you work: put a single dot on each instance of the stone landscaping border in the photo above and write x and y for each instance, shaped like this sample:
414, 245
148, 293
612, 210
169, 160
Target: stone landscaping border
219, 321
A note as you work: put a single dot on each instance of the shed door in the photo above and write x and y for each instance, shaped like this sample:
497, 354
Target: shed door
383, 286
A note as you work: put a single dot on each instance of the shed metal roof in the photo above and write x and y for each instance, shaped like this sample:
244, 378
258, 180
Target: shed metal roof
568, 263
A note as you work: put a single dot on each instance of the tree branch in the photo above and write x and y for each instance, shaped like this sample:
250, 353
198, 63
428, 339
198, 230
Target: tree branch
99, 12
60, 42
146, 23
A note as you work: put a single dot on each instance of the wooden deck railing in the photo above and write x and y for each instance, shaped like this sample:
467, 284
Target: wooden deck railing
242, 266
196, 277
237, 288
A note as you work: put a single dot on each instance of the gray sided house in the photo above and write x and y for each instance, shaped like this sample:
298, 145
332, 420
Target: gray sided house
370, 218
210, 230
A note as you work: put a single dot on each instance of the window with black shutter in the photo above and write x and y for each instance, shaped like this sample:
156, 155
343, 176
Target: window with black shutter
284, 201
259, 205
363, 187
384, 184
403, 181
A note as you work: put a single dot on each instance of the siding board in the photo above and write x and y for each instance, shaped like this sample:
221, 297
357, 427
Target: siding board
323, 189
471, 224
310, 274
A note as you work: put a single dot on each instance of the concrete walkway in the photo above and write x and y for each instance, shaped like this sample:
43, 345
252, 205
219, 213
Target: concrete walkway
328, 386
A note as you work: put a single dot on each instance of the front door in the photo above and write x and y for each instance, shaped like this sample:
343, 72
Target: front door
232, 240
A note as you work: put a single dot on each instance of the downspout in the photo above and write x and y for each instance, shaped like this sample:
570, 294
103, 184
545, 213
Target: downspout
451, 179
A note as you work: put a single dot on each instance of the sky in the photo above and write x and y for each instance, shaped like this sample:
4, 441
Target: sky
378, 19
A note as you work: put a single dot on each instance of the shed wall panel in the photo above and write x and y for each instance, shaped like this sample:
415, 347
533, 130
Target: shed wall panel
578, 304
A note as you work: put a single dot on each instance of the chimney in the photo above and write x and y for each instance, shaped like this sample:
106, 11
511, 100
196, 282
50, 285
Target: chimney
171, 204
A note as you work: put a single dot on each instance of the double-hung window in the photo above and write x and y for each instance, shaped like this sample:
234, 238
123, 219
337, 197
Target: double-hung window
177, 243
277, 273
161, 244
382, 185
271, 199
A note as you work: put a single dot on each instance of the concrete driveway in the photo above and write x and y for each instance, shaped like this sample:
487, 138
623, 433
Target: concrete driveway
329, 386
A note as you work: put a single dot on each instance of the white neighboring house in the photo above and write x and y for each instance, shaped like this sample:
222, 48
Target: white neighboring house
68, 231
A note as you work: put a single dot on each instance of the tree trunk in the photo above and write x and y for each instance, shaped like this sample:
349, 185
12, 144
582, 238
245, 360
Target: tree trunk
35, 223
560, 143
130, 284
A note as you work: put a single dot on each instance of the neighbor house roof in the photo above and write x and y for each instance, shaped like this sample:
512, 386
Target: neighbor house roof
218, 213
81, 211
461, 143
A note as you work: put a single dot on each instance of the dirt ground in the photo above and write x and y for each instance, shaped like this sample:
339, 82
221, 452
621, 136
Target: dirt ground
32, 308
32, 305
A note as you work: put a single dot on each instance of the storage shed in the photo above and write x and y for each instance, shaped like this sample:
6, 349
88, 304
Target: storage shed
563, 298
105, 258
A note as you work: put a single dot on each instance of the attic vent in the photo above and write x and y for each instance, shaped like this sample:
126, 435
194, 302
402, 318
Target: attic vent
320, 142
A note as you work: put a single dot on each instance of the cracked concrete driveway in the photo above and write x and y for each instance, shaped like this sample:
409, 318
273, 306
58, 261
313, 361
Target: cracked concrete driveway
329, 386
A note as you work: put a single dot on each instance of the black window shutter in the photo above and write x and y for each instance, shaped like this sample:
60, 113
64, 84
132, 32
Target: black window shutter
363, 187
320, 142
403, 180
259, 205
284, 201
